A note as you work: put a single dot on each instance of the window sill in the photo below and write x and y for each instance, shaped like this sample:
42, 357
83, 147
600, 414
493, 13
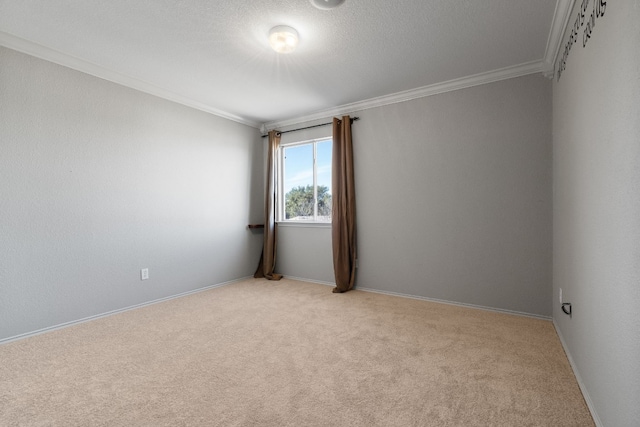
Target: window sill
304, 224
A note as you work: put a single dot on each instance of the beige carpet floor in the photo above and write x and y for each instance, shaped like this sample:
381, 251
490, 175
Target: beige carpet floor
258, 353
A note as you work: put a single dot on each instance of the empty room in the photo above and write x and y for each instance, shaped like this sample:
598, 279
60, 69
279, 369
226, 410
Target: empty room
320, 213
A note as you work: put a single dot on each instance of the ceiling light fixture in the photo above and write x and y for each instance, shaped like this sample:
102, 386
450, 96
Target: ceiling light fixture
326, 4
283, 39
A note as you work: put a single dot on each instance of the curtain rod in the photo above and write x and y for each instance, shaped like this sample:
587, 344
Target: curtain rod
353, 119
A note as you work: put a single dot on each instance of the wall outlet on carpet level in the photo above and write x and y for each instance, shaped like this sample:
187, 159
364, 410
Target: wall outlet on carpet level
560, 295
144, 274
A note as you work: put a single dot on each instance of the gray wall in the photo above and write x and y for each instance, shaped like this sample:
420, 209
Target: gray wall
304, 251
596, 168
454, 198
98, 181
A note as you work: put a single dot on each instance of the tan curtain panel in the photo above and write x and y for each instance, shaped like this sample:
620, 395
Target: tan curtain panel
268, 258
343, 212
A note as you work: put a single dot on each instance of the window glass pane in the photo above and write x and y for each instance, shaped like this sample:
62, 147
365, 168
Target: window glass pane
298, 182
323, 153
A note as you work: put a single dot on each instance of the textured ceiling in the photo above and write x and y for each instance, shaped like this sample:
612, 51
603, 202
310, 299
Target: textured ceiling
216, 53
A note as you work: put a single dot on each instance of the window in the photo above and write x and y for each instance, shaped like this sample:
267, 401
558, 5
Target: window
305, 181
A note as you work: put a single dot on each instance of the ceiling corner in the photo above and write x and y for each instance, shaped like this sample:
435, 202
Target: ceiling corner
42, 52
556, 33
527, 68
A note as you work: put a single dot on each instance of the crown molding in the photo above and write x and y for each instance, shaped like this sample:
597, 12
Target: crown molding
39, 51
556, 34
545, 66
421, 92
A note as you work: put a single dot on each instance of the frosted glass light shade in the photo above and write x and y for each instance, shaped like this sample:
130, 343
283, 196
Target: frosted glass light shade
326, 4
283, 39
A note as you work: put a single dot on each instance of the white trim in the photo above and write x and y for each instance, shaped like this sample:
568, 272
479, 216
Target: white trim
421, 92
281, 178
39, 51
120, 310
583, 387
301, 279
556, 35
545, 66
303, 224
459, 304
440, 301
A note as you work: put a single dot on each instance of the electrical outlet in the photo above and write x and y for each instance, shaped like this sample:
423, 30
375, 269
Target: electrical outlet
144, 274
560, 295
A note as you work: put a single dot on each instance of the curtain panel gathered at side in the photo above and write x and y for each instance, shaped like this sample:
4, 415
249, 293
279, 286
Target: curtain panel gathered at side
343, 212
267, 263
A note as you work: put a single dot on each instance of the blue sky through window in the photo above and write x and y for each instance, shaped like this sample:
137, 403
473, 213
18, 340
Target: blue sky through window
299, 165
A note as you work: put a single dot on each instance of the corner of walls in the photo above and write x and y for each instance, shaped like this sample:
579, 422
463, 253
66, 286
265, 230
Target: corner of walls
454, 196
99, 181
576, 372
454, 199
596, 180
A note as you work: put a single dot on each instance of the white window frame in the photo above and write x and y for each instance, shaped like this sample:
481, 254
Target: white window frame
280, 192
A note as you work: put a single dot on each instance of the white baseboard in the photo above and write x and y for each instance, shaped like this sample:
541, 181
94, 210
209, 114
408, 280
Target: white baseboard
302, 279
583, 388
120, 310
459, 304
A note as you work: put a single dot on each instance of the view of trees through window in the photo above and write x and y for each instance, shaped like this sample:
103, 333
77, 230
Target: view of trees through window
300, 201
307, 181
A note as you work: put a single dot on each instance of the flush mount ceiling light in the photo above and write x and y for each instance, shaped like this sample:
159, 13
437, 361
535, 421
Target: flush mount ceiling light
283, 39
326, 4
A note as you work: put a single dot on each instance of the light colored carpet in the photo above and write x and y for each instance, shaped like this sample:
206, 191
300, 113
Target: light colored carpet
288, 353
